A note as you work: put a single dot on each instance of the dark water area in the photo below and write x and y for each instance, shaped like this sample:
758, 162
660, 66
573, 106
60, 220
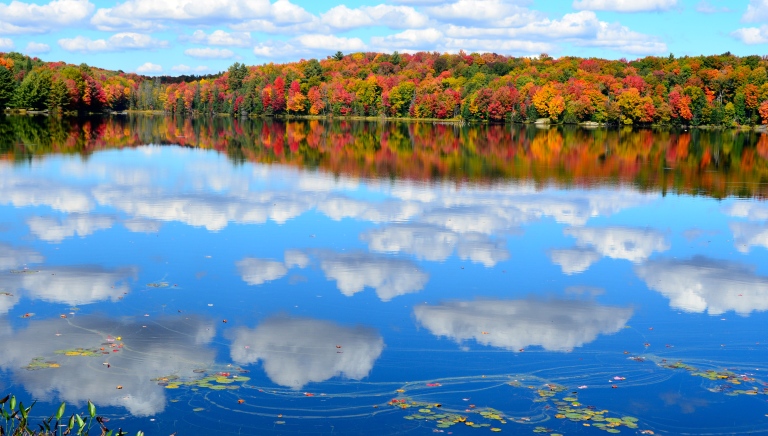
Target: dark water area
227, 276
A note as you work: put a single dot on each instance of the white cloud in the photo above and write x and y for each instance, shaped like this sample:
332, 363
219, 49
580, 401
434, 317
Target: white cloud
6, 44
625, 5
340, 207
52, 229
20, 17
389, 277
702, 284
37, 47
149, 67
555, 325
116, 42
151, 14
181, 68
574, 260
620, 38
298, 351
220, 37
757, 11
398, 17
752, 35
752, 211
316, 45
257, 271
434, 243
158, 349
31, 191
12, 257
747, 235
209, 53
626, 243
70, 284
486, 12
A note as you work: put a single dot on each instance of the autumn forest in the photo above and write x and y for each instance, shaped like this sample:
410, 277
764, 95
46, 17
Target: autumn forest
718, 90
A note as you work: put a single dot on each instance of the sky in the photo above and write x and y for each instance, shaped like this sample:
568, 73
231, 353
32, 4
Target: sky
207, 36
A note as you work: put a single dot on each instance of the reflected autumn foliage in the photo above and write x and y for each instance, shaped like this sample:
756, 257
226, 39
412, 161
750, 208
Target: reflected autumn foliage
716, 163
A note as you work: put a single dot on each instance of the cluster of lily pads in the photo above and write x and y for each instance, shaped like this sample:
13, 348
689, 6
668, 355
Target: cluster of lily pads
566, 404
728, 378
218, 382
86, 352
570, 408
40, 363
432, 412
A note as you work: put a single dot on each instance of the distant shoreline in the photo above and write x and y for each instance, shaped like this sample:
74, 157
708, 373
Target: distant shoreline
542, 123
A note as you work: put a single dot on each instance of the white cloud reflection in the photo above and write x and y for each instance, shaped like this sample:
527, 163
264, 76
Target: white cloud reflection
703, 284
70, 285
158, 349
55, 230
555, 325
626, 243
297, 351
389, 277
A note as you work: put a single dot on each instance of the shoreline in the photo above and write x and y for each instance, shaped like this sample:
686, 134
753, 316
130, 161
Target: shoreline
541, 123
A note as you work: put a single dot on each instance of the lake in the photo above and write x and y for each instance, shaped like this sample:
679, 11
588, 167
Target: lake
228, 276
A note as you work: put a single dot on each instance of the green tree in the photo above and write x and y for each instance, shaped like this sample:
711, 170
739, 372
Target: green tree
7, 87
34, 90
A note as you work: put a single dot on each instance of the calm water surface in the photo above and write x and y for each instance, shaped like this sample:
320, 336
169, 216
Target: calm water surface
248, 277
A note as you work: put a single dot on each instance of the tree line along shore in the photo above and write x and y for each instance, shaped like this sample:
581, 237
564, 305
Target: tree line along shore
718, 90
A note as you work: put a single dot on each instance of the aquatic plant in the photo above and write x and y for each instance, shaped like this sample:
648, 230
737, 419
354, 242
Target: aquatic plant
14, 421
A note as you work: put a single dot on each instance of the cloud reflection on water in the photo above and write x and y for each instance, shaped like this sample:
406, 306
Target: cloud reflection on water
555, 325
161, 348
702, 284
297, 351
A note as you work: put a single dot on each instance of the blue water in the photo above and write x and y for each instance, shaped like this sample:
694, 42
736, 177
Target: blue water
335, 294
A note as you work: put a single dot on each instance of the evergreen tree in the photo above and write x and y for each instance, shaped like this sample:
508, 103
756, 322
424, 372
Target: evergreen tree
7, 87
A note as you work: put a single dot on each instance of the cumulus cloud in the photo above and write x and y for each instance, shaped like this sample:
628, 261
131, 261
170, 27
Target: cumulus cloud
149, 68
626, 243
389, 277
298, 351
703, 284
37, 48
143, 14
162, 348
625, 5
19, 17
23, 192
257, 271
71, 284
6, 44
750, 210
209, 53
55, 230
757, 11
220, 37
747, 235
307, 45
752, 35
434, 243
344, 18
574, 260
116, 42
555, 325
212, 211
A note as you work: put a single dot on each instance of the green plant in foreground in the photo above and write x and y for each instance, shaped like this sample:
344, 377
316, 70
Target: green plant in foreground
15, 421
